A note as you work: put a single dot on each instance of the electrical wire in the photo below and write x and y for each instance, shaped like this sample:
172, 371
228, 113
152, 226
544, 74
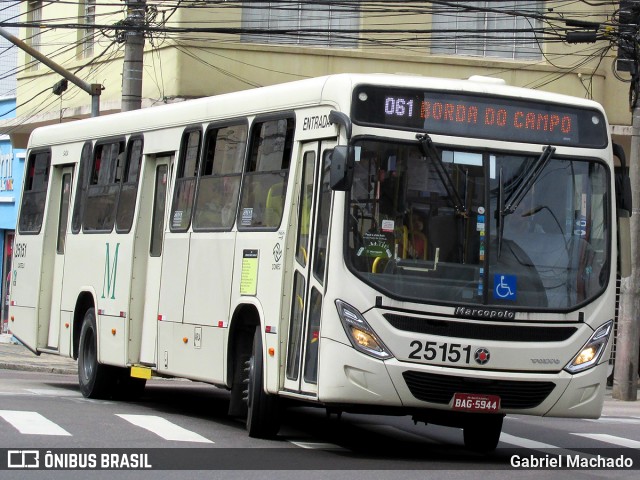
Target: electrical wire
4, 114
376, 24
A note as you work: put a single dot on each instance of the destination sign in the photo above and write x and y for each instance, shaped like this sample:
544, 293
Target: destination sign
466, 115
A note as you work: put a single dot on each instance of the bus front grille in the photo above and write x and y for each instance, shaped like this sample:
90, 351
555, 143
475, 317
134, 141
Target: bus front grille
481, 331
441, 388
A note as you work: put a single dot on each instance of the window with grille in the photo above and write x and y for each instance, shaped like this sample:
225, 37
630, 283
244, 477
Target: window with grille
87, 17
487, 29
324, 24
34, 36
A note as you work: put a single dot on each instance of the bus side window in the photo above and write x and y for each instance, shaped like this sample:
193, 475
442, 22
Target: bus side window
84, 170
265, 182
35, 192
104, 186
157, 219
185, 186
129, 189
219, 182
304, 209
324, 211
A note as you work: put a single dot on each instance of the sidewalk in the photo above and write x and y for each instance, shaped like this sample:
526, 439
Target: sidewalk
17, 357
14, 356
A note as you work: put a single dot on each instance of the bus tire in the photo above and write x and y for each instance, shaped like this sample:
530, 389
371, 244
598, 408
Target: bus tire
94, 378
263, 419
482, 434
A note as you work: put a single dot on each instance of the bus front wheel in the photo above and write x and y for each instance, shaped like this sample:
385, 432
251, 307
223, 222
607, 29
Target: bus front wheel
95, 379
263, 420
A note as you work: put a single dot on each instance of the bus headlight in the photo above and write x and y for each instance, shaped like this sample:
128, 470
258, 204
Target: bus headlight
360, 334
590, 354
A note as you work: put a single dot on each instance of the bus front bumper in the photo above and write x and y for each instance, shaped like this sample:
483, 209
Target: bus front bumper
347, 376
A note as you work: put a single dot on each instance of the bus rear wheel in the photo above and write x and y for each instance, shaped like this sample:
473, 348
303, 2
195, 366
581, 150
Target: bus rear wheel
263, 419
96, 380
482, 434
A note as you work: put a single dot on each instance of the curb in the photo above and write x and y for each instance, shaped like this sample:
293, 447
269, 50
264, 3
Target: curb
39, 368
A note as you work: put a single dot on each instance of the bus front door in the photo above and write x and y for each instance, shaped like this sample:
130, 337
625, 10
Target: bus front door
305, 311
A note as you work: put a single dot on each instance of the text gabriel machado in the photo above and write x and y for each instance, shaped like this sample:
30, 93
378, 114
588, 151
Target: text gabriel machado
571, 461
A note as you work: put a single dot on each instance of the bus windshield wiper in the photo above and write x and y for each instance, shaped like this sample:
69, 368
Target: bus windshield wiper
527, 181
508, 206
429, 151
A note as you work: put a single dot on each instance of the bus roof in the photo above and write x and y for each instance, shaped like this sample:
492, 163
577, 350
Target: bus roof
331, 90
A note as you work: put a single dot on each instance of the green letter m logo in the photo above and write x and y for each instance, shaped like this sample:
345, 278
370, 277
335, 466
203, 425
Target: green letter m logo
110, 272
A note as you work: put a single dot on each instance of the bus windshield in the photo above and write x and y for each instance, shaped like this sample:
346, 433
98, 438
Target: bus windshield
434, 229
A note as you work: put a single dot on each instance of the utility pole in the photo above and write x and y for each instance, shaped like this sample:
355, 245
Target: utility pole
625, 377
93, 89
133, 55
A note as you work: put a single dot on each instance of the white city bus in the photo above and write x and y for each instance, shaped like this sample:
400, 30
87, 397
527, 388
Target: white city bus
445, 249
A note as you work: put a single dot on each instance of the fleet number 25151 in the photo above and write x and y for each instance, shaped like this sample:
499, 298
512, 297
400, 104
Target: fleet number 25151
445, 352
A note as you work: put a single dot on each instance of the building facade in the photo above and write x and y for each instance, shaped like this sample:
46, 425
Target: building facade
11, 159
195, 49
11, 175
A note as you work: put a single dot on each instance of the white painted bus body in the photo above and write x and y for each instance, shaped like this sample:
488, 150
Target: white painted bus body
174, 314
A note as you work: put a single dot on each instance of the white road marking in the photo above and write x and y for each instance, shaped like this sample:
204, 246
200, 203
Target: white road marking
164, 428
317, 445
603, 437
32, 423
620, 420
524, 442
54, 392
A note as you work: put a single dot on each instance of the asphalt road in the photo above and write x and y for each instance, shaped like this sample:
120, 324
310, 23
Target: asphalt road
183, 425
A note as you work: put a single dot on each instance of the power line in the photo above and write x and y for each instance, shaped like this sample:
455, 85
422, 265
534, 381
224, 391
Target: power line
546, 26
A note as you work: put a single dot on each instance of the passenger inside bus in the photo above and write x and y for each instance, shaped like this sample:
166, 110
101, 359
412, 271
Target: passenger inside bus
418, 240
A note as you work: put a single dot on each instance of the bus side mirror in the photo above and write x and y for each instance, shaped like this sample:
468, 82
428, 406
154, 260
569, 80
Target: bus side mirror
624, 243
622, 180
624, 206
342, 162
624, 195
624, 209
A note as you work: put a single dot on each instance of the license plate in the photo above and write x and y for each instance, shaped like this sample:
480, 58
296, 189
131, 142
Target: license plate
474, 402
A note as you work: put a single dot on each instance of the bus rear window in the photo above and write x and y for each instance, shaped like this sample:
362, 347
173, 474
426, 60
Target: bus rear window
35, 193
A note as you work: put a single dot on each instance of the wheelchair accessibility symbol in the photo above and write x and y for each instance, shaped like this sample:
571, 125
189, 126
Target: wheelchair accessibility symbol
504, 287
